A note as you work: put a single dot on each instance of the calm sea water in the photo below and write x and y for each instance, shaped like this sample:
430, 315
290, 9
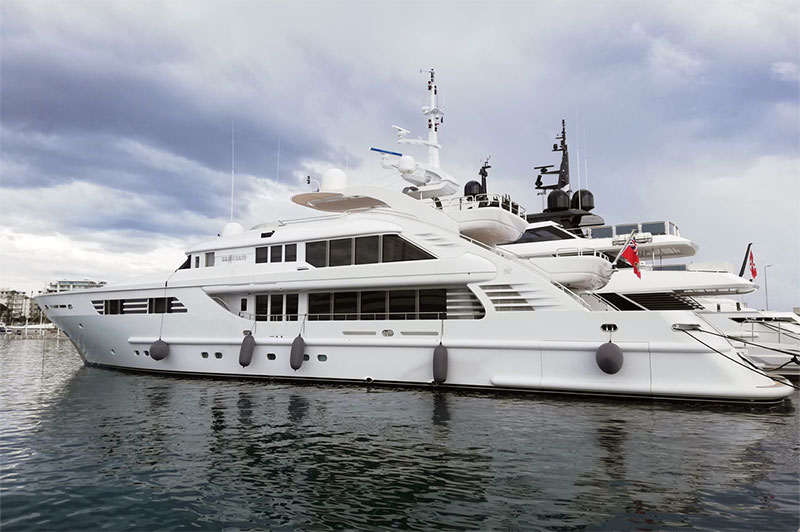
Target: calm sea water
92, 449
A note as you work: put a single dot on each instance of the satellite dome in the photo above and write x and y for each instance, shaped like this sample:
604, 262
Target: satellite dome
334, 179
557, 200
583, 199
232, 228
407, 164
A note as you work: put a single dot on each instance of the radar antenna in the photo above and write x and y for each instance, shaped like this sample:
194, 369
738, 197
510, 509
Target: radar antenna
563, 170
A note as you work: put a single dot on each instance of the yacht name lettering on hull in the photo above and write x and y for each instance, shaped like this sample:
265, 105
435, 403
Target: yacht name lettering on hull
233, 258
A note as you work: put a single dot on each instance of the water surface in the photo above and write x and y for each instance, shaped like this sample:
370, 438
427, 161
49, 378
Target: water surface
95, 449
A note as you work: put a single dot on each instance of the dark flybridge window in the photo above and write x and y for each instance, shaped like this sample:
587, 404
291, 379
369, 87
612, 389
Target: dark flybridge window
186, 264
544, 234
276, 253
341, 252
291, 253
317, 253
197, 261
363, 250
262, 254
368, 249
396, 249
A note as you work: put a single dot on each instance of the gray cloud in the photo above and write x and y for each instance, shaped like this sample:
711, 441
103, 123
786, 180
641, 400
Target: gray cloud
136, 99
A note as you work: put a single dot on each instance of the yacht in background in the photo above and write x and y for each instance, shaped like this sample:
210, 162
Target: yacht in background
566, 235
397, 287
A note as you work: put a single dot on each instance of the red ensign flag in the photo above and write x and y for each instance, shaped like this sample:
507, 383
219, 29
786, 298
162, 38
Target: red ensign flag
631, 254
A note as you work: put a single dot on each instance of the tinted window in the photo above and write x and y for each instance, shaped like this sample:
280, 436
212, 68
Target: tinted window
373, 305
345, 305
276, 253
367, 249
396, 249
276, 307
341, 252
319, 306
291, 252
601, 232
243, 306
625, 229
291, 307
261, 254
262, 307
432, 304
402, 304
317, 253
543, 234
656, 228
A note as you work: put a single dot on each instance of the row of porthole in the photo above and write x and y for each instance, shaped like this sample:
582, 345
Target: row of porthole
270, 356
218, 355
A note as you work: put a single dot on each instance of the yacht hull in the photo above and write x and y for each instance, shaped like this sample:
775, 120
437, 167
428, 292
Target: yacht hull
522, 351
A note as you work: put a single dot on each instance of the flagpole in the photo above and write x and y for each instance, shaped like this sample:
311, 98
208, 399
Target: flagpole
622, 250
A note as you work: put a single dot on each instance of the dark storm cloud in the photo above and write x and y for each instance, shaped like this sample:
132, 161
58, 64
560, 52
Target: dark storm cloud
68, 113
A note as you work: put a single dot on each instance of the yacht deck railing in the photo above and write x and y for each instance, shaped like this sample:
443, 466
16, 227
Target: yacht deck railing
463, 203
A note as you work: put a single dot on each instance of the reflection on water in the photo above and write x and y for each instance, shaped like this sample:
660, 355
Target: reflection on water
90, 448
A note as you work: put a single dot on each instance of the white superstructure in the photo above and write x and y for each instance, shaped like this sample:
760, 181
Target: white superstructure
394, 288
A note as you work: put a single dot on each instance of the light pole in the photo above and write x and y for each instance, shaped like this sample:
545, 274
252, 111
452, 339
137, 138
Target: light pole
766, 289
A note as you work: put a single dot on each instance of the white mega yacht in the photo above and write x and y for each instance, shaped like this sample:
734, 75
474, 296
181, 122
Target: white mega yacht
397, 287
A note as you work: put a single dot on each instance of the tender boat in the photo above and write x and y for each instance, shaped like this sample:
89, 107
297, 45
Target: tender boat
397, 288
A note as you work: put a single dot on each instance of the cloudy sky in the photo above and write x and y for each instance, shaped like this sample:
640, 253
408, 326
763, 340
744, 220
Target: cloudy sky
116, 117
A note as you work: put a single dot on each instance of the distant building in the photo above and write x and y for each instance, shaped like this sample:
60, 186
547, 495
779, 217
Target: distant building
67, 286
16, 305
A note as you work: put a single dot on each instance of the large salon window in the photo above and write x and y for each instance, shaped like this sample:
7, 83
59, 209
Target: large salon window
345, 305
404, 304
341, 252
317, 253
276, 307
396, 249
291, 253
363, 250
291, 307
368, 249
262, 254
432, 303
373, 305
319, 306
